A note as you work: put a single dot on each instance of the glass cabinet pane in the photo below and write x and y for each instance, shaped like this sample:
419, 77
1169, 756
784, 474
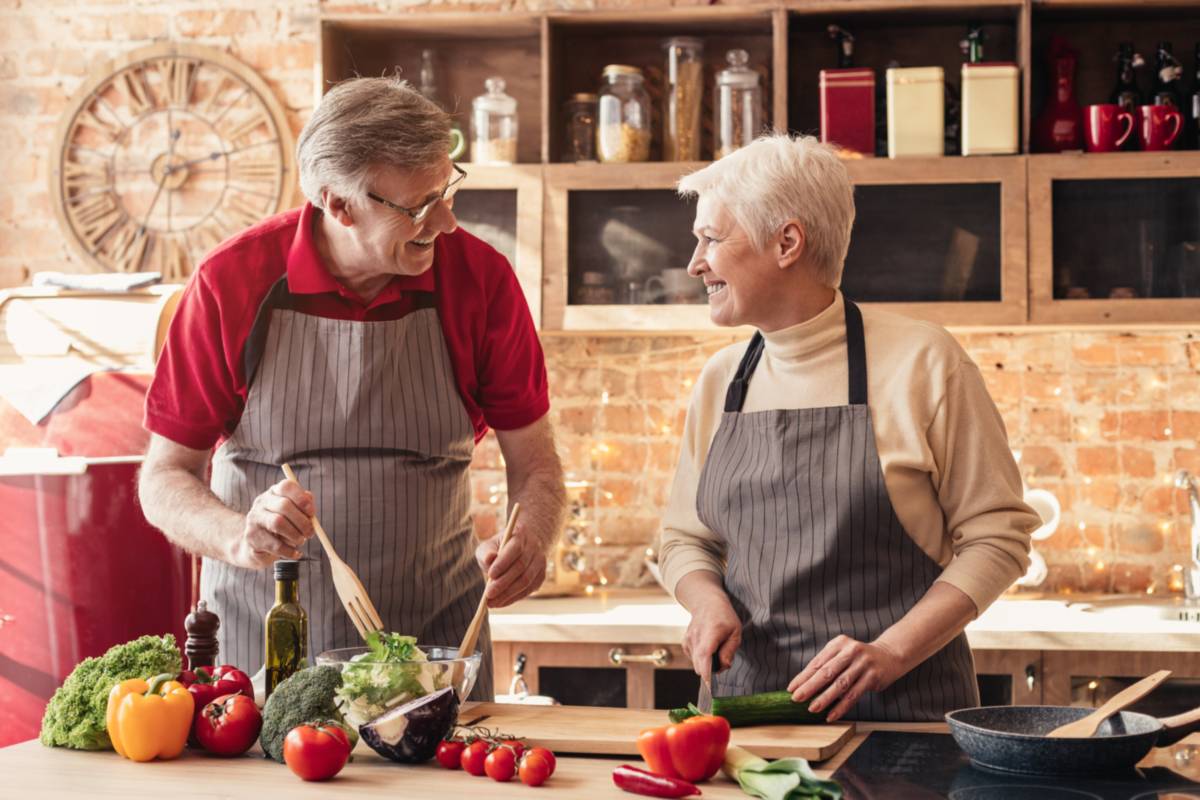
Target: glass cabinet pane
1126, 238
490, 214
925, 243
630, 247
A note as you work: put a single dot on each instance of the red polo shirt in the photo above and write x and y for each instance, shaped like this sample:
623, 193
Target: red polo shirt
199, 388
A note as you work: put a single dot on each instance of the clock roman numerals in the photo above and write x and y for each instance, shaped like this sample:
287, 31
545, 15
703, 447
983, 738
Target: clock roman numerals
91, 119
128, 246
78, 176
136, 89
259, 170
246, 126
175, 262
178, 76
93, 216
242, 212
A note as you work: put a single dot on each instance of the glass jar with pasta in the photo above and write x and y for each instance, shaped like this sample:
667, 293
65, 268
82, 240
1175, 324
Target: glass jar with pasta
681, 100
737, 105
494, 125
623, 119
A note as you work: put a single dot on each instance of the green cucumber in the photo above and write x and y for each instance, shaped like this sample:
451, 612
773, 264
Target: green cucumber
765, 708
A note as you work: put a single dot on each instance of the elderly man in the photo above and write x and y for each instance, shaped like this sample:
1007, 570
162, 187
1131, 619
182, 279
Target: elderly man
369, 342
845, 500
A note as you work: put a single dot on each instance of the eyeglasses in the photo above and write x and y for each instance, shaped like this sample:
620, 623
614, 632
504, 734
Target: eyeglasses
420, 213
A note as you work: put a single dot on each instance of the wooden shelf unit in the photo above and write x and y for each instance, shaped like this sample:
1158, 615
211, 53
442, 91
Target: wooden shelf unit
549, 56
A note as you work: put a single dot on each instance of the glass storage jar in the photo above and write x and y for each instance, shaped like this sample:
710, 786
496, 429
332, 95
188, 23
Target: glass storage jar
580, 140
494, 125
623, 119
681, 100
737, 105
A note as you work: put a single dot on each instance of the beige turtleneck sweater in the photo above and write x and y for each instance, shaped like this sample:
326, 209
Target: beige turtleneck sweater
942, 444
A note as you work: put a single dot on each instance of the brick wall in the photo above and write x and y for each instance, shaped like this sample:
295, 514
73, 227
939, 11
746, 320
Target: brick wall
1101, 419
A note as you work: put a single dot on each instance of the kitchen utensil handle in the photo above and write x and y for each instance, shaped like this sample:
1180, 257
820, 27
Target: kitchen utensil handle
1030, 676
1178, 726
659, 657
324, 537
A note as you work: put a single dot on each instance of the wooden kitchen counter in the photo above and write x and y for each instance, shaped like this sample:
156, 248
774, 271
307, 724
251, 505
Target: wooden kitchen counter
36, 772
1020, 622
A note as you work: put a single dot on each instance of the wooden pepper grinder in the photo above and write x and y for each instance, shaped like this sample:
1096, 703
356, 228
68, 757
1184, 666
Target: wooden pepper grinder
201, 647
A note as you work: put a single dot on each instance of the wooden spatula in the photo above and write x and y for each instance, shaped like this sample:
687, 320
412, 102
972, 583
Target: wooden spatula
472, 635
349, 588
1085, 728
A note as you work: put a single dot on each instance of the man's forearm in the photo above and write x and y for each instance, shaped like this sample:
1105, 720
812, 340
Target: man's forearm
543, 500
929, 626
178, 503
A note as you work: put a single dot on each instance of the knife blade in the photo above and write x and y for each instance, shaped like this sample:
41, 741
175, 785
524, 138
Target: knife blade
704, 703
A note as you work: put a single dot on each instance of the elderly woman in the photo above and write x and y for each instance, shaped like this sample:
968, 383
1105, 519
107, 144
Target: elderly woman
845, 501
369, 341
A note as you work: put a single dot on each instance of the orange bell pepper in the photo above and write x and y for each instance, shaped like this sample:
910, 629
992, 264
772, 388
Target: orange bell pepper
149, 720
692, 750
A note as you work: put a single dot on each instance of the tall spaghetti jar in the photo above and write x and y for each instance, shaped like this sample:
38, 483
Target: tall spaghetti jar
681, 100
737, 105
623, 129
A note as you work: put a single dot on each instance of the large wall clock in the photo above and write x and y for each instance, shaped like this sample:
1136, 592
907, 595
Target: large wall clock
165, 152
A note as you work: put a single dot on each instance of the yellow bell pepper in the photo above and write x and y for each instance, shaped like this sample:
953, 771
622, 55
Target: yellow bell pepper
149, 720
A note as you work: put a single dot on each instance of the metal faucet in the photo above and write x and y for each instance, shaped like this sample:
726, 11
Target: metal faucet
1191, 577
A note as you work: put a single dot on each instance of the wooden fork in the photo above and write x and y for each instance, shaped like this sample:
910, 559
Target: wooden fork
349, 588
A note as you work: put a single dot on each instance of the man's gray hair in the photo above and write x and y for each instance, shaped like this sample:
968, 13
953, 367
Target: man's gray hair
777, 178
365, 123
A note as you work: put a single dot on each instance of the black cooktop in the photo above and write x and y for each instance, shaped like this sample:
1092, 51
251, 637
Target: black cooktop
925, 766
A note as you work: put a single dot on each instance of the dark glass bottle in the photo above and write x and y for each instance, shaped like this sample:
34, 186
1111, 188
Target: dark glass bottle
1125, 92
845, 46
1168, 75
286, 627
973, 44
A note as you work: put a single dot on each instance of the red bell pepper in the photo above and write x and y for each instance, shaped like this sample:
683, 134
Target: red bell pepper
206, 684
693, 749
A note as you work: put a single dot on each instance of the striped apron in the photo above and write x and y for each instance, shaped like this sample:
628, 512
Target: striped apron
814, 547
369, 416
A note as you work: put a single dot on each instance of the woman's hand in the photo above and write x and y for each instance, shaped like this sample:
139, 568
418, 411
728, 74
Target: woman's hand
715, 627
842, 672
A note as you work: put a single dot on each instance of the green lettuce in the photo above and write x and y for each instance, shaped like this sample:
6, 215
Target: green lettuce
392, 671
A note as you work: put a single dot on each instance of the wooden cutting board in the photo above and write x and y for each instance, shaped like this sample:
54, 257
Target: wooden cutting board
613, 731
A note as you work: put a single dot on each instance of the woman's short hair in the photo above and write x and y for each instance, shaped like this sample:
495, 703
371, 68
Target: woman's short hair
777, 178
365, 123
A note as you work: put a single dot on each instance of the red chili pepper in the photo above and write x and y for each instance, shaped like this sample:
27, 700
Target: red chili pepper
638, 781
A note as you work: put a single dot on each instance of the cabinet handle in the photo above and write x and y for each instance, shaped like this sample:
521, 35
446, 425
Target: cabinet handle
1030, 676
659, 657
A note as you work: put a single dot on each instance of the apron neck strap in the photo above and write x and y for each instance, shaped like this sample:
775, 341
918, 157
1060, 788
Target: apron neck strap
256, 342
856, 355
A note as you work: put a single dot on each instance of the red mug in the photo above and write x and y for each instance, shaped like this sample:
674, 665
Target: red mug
1160, 126
1106, 127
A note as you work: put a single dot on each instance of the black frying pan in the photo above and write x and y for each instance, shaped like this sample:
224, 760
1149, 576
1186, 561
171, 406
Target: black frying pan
1013, 738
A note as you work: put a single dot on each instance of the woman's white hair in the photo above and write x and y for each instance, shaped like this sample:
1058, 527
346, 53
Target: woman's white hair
365, 123
777, 178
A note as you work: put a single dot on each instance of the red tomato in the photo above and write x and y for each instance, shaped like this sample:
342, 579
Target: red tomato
473, 757
518, 747
547, 756
535, 769
449, 754
228, 726
316, 752
501, 764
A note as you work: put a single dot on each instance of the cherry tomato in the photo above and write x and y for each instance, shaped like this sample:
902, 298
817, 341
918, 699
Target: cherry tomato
449, 754
547, 755
229, 725
316, 752
518, 747
535, 769
501, 764
473, 757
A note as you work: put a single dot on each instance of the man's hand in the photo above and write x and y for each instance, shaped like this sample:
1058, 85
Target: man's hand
514, 572
715, 627
842, 672
277, 526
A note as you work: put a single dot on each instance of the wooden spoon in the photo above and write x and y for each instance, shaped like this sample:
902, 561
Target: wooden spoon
472, 635
1085, 728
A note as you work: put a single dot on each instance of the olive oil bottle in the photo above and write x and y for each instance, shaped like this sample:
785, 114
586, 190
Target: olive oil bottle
286, 627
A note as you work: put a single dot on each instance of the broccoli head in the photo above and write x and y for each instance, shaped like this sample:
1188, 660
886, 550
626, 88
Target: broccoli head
75, 714
310, 695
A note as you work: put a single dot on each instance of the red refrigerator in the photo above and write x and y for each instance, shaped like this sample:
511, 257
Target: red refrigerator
80, 568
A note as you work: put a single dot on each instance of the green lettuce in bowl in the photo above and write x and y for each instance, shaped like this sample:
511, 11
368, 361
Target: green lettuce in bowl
391, 670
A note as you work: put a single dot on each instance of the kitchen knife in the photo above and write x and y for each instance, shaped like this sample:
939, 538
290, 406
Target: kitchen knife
705, 701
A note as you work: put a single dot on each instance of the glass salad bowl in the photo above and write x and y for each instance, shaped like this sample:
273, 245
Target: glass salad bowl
376, 679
